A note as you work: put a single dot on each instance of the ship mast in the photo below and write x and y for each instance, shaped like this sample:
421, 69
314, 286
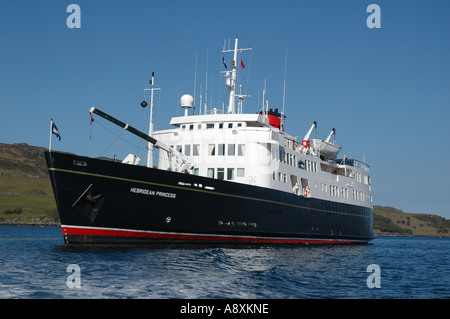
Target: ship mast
231, 79
150, 129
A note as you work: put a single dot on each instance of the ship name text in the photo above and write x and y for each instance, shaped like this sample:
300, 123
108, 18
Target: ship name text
150, 192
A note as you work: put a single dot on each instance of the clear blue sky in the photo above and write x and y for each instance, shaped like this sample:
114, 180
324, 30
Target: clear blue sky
386, 91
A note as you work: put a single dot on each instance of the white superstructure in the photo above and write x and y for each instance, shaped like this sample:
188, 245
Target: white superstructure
254, 149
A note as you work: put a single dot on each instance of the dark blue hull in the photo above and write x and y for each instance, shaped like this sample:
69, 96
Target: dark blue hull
105, 202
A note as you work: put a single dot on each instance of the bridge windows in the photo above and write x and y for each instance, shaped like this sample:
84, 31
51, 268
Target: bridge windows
221, 149
231, 149
187, 150
241, 149
196, 149
229, 173
211, 149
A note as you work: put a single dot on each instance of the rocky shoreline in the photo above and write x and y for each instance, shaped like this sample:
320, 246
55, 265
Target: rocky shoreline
29, 221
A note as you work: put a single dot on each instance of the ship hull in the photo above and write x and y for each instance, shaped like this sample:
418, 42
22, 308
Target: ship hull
106, 202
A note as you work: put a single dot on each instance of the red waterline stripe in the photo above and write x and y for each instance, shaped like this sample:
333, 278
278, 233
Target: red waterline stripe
81, 231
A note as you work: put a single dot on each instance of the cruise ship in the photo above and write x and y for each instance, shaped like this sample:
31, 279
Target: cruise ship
223, 177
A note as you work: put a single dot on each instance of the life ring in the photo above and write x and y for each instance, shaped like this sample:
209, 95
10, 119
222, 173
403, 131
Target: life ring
305, 192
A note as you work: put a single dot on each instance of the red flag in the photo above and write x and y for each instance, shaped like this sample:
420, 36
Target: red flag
242, 64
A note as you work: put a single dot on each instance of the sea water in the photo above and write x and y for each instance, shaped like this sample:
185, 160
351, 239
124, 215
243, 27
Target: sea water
36, 264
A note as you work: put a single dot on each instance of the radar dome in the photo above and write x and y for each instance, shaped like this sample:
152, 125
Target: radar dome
187, 101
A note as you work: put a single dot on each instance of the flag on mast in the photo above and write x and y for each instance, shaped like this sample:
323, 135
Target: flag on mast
223, 61
53, 130
242, 64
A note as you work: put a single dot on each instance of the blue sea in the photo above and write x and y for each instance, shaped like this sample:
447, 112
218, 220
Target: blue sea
35, 264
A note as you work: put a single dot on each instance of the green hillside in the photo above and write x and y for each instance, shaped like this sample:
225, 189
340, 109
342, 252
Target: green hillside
26, 194
392, 220
26, 197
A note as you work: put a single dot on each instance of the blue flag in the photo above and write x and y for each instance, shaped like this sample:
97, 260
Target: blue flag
55, 131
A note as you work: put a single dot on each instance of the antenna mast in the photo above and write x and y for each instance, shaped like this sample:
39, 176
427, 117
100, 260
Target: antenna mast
150, 129
206, 90
231, 80
195, 80
284, 86
284, 90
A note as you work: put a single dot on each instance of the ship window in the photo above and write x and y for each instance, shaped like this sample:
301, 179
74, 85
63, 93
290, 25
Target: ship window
285, 178
366, 179
195, 150
187, 150
231, 149
196, 171
230, 125
211, 172
240, 172
279, 176
183, 127
239, 125
209, 125
220, 173
220, 125
199, 126
179, 148
221, 149
211, 149
274, 175
241, 149
230, 173
301, 164
191, 127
